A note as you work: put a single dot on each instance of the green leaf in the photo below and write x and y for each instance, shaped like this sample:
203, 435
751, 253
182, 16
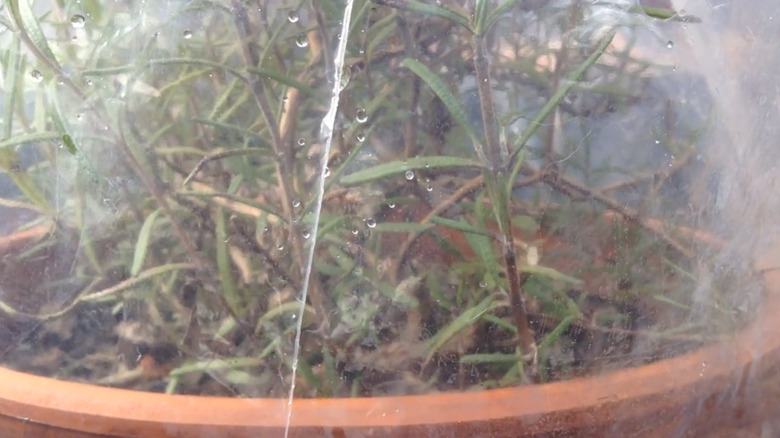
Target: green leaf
560, 93
475, 359
402, 227
444, 94
550, 273
30, 138
398, 168
481, 16
459, 225
61, 123
224, 266
142, 245
483, 247
31, 32
286, 80
11, 85
498, 12
427, 9
556, 333
467, 318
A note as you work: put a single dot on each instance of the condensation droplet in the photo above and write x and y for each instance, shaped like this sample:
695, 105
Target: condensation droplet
391, 205
360, 136
301, 141
361, 116
78, 21
296, 203
483, 284
79, 116
306, 234
429, 188
301, 40
409, 175
326, 173
36, 75
187, 34
280, 247
669, 44
657, 141
293, 16
370, 223
355, 231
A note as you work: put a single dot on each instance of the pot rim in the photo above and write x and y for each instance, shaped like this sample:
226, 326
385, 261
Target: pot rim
624, 394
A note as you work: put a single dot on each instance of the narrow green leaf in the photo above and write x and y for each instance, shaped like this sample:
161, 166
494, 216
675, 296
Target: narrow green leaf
130, 68
498, 12
398, 168
11, 85
459, 225
30, 138
289, 307
61, 123
467, 318
32, 33
224, 266
550, 273
402, 227
444, 94
670, 301
475, 359
558, 331
481, 16
286, 80
561, 92
483, 247
142, 245
427, 9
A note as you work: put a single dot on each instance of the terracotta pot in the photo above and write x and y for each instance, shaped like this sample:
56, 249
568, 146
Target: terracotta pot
715, 385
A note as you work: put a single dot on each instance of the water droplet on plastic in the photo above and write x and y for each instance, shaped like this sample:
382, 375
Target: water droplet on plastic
361, 116
355, 231
296, 203
293, 16
36, 75
301, 40
409, 175
280, 247
326, 173
360, 136
391, 205
78, 21
657, 141
187, 34
79, 116
669, 44
429, 188
370, 223
483, 284
301, 141
306, 234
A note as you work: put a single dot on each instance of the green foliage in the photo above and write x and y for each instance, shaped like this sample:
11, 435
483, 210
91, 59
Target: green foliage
176, 164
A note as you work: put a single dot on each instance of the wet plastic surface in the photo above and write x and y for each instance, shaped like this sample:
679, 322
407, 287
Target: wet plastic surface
282, 265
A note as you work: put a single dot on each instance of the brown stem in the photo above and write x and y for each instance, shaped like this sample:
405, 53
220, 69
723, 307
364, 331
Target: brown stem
498, 156
572, 189
284, 155
498, 161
